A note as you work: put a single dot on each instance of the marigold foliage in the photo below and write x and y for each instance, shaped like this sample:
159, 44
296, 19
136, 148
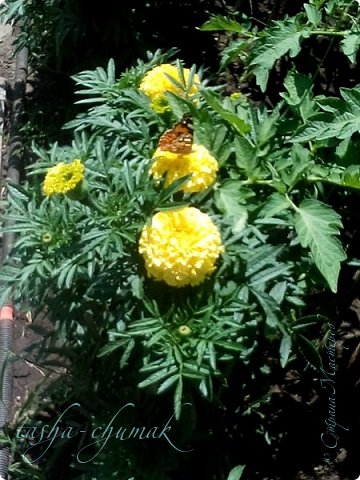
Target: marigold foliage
156, 83
63, 177
199, 163
180, 247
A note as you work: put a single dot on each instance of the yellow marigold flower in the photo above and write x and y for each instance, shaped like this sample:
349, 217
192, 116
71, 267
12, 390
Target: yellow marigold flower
156, 83
63, 177
180, 247
199, 163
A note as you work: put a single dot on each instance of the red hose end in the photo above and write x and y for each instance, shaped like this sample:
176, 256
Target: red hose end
6, 313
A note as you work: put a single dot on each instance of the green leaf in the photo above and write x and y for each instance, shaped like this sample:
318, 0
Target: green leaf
232, 52
341, 120
350, 45
236, 473
299, 94
308, 321
316, 225
234, 120
300, 157
296, 86
109, 348
270, 307
313, 14
274, 42
275, 204
246, 155
158, 376
309, 352
270, 273
278, 291
285, 349
168, 383
178, 398
346, 151
228, 200
222, 23
351, 177
127, 352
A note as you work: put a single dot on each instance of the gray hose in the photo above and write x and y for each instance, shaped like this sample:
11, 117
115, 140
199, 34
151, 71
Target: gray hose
15, 167
6, 366
15, 163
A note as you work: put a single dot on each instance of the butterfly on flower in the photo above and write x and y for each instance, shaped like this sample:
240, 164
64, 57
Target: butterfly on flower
178, 139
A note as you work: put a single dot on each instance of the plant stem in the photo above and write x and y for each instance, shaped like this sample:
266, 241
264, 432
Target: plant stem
314, 179
329, 33
291, 203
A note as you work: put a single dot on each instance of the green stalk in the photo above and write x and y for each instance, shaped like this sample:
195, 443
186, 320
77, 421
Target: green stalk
330, 33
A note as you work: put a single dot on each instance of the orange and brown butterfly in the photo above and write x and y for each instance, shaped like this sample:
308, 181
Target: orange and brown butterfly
178, 139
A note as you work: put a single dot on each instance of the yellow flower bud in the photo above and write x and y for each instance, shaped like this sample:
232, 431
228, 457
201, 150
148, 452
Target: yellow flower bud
184, 330
47, 238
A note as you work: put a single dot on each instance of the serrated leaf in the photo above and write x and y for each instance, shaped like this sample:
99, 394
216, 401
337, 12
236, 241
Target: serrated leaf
232, 52
350, 45
246, 155
300, 157
313, 14
222, 23
284, 37
346, 151
234, 120
317, 225
275, 204
299, 94
351, 177
296, 86
228, 200
341, 120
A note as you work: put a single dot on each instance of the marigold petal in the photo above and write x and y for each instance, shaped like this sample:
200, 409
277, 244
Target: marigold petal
180, 247
63, 177
156, 83
200, 164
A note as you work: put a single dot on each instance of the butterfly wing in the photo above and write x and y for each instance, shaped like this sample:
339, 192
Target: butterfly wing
178, 139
